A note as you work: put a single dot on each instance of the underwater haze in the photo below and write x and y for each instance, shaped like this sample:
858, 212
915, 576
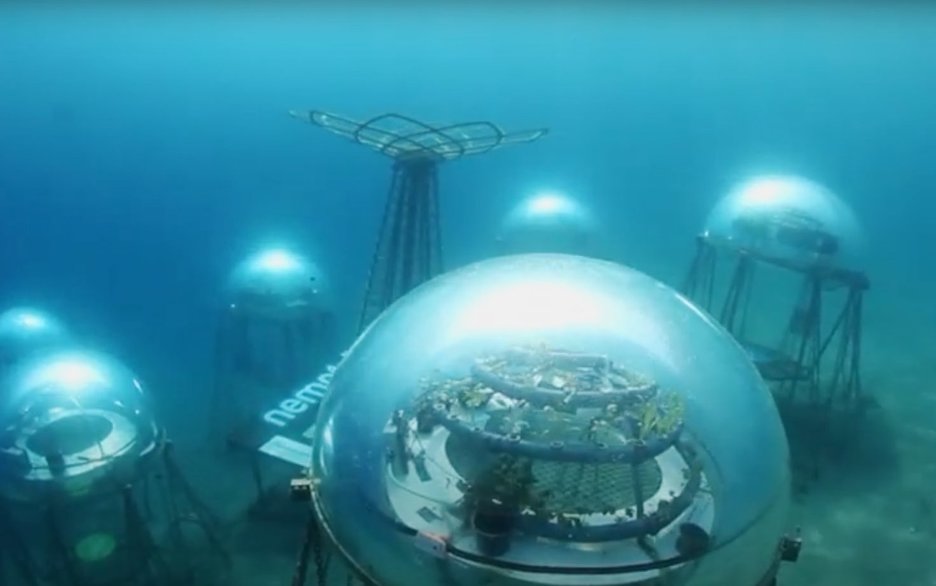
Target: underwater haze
145, 150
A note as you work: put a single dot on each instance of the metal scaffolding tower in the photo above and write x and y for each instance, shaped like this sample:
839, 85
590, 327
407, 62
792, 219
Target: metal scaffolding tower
409, 248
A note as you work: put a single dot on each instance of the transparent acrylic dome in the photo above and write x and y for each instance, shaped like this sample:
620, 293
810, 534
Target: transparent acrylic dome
27, 330
791, 220
550, 419
277, 283
549, 222
72, 422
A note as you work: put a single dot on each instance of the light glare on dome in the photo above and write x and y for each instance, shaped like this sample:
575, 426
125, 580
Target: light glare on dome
550, 305
546, 303
764, 190
72, 373
31, 321
548, 203
277, 260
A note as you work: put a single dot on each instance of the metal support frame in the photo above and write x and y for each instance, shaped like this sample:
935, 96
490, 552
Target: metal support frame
143, 557
803, 342
814, 369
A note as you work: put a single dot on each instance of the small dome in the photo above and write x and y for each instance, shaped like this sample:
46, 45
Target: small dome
71, 422
550, 222
552, 419
25, 331
790, 220
277, 283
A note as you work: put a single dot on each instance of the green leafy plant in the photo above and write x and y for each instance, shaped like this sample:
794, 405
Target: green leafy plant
508, 483
659, 417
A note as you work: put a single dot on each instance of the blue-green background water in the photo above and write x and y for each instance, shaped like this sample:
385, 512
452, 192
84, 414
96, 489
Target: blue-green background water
144, 151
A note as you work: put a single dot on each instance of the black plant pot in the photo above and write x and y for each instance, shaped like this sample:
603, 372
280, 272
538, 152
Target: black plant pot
425, 421
493, 525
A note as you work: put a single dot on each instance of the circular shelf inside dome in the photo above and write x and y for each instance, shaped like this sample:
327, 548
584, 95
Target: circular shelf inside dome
791, 222
71, 434
518, 412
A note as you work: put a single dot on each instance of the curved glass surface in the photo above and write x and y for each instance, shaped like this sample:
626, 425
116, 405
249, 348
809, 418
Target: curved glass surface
71, 422
791, 220
550, 419
549, 222
26, 330
278, 282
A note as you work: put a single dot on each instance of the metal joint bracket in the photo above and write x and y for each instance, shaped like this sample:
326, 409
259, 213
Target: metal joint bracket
431, 543
790, 547
300, 489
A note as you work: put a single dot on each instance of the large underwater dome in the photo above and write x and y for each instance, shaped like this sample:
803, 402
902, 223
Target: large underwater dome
277, 283
72, 422
550, 222
550, 419
790, 220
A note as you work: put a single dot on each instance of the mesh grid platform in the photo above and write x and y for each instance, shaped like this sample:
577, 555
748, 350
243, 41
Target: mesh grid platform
402, 137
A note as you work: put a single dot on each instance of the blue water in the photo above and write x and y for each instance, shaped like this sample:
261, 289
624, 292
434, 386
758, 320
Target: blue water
144, 151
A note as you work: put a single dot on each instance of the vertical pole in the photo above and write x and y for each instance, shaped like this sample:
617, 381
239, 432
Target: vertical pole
692, 277
739, 281
802, 328
710, 269
409, 249
854, 333
377, 279
434, 238
61, 548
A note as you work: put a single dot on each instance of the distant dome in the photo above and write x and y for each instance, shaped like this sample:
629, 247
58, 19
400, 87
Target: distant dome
553, 419
791, 220
550, 222
278, 283
27, 330
71, 422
